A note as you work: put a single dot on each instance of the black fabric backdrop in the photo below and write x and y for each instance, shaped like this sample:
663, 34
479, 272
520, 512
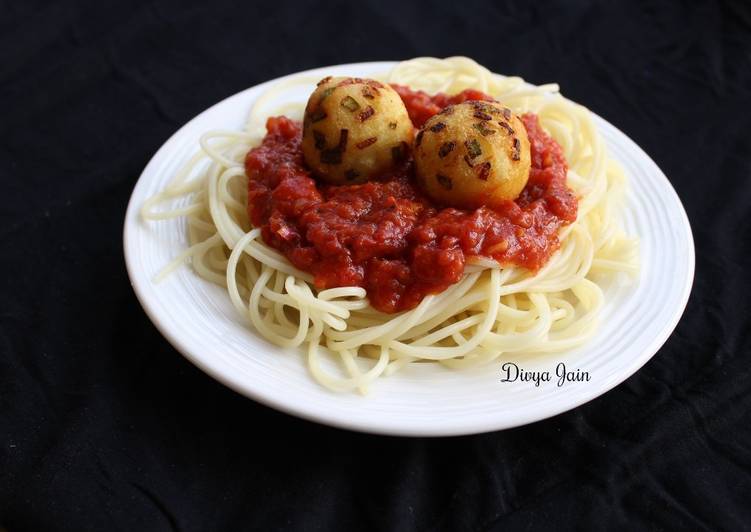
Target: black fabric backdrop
103, 426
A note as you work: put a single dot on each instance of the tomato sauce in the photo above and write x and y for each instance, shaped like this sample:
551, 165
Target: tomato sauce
386, 235
421, 105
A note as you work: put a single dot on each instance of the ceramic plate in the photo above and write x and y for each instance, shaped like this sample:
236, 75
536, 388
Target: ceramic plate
423, 400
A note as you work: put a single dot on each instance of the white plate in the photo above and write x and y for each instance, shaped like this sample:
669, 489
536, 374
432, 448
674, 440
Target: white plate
199, 320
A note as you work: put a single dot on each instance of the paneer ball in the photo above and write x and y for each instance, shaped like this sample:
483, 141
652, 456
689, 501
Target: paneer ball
472, 154
355, 129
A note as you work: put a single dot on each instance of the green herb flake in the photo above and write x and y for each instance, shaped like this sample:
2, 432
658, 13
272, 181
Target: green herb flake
446, 148
350, 104
325, 94
319, 139
483, 171
343, 136
516, 153
365, 143
317, 115
507, 127
444, 181
483, 129
367, 113
473, 148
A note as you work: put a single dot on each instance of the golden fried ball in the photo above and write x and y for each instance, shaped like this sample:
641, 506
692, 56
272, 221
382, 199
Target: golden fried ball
472, 154
354, 129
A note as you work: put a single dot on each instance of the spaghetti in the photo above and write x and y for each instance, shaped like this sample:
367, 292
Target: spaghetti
491, 310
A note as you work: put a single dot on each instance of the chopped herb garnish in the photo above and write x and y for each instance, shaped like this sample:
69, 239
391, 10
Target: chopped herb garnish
484, 106
343, 135
507, 127
446, 148
473, 148
483, 170
516, 154
365, 143
444, 181
325, 94
483, 129
320, 139
367, 113
334, 155
350, 104
317, 115
418, 140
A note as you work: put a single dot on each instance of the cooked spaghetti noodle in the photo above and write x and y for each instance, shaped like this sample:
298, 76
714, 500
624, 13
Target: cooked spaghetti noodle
492, 310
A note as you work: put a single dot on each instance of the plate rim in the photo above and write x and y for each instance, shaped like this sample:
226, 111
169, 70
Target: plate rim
361, 424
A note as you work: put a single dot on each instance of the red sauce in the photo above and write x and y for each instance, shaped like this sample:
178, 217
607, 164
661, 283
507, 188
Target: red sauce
385, 235
421, 105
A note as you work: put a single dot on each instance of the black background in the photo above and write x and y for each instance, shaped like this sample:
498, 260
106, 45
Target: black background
103, 426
